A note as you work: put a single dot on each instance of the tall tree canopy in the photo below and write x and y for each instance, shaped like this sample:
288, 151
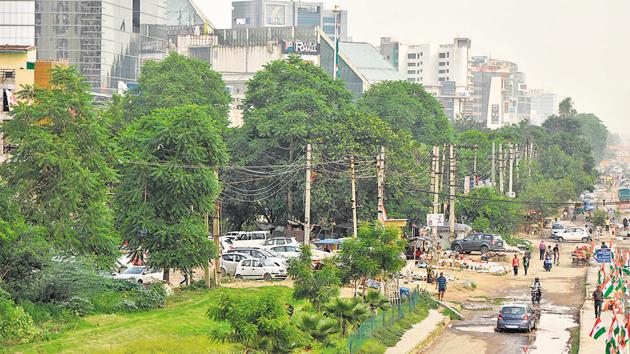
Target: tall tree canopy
407, 106
168, 183
176, 81
289, 104
60, 168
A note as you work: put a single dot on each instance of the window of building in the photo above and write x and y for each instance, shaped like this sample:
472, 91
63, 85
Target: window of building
135, 19
411, 56
412, 64
411, 72
419, 71
441, 79
411, 79
421, 63
441, 71
442, 63
442, 55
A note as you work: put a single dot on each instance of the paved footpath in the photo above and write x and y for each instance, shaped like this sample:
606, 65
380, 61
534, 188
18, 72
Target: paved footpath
589, 345
417, 334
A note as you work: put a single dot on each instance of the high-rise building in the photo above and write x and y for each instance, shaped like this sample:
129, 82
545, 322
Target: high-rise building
17, 22
108, 41
281, 13
500, 95
543, 104
443, 70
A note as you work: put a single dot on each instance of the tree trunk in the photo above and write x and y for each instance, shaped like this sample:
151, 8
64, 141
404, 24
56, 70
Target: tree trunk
166, 276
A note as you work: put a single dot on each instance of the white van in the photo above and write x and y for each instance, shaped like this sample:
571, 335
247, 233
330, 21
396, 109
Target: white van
251, 239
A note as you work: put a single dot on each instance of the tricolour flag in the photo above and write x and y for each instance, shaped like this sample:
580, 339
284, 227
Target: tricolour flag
607, 287
598, 329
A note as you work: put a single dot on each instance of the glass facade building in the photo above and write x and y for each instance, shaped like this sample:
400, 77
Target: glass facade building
108, 40
17, 22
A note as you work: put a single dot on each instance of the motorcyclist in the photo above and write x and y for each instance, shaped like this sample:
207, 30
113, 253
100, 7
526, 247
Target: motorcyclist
537, 287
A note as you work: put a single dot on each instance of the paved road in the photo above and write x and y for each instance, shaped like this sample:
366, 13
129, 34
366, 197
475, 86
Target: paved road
563, 295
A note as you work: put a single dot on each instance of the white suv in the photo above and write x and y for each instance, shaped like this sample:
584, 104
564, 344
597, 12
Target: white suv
260, 269
579, 234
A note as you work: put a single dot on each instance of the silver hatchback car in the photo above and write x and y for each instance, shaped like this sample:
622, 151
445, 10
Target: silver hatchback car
516, 317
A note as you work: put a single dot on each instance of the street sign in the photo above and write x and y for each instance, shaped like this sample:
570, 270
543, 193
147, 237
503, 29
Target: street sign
435, 220
603, 255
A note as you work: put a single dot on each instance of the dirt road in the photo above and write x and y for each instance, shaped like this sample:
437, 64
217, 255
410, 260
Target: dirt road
563, 293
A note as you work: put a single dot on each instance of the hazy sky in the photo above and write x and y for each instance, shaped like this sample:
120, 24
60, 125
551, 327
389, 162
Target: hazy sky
577, 48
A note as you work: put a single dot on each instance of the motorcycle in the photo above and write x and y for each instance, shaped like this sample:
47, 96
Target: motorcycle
536, 295
547, 264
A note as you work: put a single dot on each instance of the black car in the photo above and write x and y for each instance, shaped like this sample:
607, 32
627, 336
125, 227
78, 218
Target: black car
478, 242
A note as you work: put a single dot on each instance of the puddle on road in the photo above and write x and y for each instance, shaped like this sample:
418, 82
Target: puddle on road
478, 329
553, 333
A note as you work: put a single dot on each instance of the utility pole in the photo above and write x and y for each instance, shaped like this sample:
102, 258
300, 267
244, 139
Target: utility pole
475, 167
206, 267
511, 167
501, 167
494, 169
354, 197
307, 197
443, 182
380, 180
435, 185
216, 232
452, 180
517, 158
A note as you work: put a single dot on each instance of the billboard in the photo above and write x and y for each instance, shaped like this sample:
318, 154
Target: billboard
435, 220
300, 47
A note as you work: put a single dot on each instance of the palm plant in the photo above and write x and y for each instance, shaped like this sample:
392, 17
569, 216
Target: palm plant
318, 327
348, 312
376, 300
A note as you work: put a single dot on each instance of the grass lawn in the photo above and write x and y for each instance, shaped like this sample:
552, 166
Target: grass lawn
181, 327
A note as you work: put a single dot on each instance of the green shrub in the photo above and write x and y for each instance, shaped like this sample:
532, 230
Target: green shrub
16, 326
151, 298
78, 306
126, 306
41, 313
372, 346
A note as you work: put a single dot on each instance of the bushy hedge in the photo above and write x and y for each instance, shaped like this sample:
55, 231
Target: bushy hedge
15, 324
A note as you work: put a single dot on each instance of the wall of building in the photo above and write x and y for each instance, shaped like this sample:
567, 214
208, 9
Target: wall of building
108, 41
17, 22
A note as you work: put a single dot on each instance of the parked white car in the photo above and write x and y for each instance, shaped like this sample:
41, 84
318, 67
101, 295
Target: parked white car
579, 234
140, 275
259, 253
230, 261
260, 269
250, 239
287, 251
280, 241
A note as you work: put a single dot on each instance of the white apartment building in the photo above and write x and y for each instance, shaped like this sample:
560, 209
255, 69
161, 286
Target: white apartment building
543, 104
443, 70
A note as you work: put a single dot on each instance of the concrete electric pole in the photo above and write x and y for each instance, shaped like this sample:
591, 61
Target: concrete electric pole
307, 197
452, 173
354, 197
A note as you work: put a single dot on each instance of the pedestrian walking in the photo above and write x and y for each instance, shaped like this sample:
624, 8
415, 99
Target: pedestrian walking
625, 224
598, 299
525, 263
542, 248
441, 285
556, 255
607, 225
515, 264
549, 252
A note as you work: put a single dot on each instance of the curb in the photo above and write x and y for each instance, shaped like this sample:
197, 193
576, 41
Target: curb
426, 343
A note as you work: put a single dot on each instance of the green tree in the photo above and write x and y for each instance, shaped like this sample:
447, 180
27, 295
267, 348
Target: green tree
407, 106
60, 169
599, 218
566, 109
318, 326
376, 300
348, 311
486, 210
289, 104
547, 195
175, 81
316, 286
376, 252
595, 130
168, 183
259, 322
